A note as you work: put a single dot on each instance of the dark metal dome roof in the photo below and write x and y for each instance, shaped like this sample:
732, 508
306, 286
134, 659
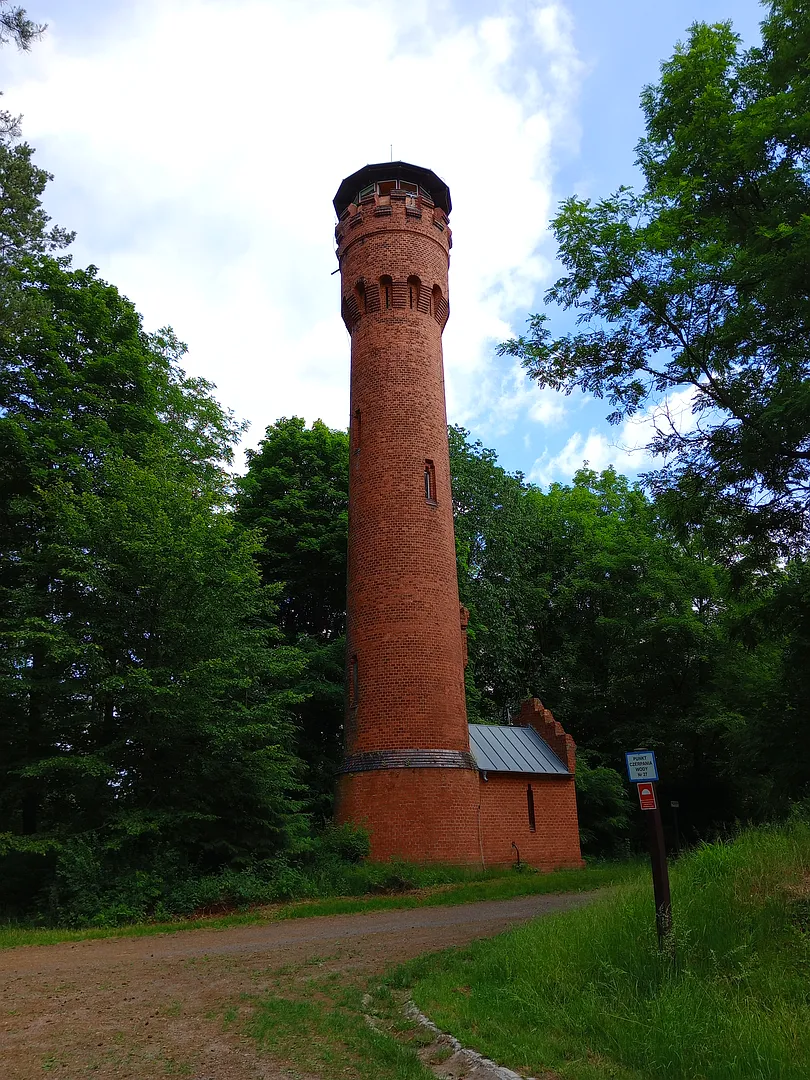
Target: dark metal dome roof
392, 170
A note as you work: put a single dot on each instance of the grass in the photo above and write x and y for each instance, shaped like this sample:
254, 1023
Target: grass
587, 995
332, 1037
494, 888
488, 887
13, 936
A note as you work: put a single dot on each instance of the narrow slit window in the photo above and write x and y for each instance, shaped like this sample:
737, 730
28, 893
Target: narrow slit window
414, 285
356, 431
430, 482
530, 806
386, 293
354, 683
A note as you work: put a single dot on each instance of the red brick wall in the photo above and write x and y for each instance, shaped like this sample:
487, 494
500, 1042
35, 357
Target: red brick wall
403, 623
432, 815
403, 607
422, 815
505, 817
534, 714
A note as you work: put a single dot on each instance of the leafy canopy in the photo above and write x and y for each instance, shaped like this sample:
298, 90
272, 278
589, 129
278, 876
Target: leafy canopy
694, 291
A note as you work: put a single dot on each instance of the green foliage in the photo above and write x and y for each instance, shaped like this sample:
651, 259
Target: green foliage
347, 842
589, 598
697, 285
145, 699
733, 1003
603, 809
17, 27
157, 901
493, 530
295, 494
172, 642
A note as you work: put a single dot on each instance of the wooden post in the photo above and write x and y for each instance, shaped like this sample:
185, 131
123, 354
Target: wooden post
660, 872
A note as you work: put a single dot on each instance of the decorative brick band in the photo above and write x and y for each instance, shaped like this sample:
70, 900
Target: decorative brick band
374, 760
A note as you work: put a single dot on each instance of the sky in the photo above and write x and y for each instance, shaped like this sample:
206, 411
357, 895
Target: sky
196, 146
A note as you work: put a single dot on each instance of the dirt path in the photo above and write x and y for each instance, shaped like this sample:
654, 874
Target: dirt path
158, 1006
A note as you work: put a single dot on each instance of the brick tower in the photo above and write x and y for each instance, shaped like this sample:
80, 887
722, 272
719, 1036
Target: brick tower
408, 773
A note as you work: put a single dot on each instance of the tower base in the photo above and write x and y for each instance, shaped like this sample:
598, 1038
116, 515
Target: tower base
420, 815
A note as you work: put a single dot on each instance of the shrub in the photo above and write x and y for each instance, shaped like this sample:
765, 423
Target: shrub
603, 809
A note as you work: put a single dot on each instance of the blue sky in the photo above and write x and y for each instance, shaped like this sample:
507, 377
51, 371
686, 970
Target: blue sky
196, 146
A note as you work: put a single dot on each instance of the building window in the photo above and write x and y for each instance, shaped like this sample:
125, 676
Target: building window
360, 294
386, 293
354, 684
530, 805
356, 430
430, 482
414, 285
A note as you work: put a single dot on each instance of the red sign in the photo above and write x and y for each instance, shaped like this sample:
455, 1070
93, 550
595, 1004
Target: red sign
646, 796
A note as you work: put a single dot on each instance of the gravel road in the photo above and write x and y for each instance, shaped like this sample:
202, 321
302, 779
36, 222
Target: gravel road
137, 1008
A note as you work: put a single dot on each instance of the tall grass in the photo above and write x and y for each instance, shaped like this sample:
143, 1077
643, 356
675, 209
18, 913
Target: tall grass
588, 995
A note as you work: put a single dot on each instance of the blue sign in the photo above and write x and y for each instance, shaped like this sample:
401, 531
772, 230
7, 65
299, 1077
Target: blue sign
641, 766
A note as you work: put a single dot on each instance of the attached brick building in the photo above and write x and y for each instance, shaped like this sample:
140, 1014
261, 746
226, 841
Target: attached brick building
409, 773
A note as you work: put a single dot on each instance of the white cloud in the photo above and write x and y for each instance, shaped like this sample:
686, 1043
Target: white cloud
628, 452
513, 395
197, 146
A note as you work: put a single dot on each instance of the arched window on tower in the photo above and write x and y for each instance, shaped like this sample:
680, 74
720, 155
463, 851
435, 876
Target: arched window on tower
356, 431
414, 287
386, 293
360, 296
430, 483
437, 301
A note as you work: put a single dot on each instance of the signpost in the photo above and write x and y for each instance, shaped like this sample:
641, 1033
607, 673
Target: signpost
641, 765
643, 771
646, 796
675, 807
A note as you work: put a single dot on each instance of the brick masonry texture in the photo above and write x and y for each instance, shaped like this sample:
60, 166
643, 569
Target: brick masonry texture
406, 632
505, 818
421, 815
404, 624
535, 715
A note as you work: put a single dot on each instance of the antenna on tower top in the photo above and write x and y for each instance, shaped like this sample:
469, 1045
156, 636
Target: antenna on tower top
392, 151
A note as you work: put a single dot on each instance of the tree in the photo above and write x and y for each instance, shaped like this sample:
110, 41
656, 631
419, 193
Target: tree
17, 27
694, 290
586, 597
23, 222
295, 494
145, 702
22, 219
493, 533
603, 809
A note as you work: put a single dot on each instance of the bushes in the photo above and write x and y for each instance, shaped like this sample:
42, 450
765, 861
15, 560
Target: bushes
603, 809
101, 886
